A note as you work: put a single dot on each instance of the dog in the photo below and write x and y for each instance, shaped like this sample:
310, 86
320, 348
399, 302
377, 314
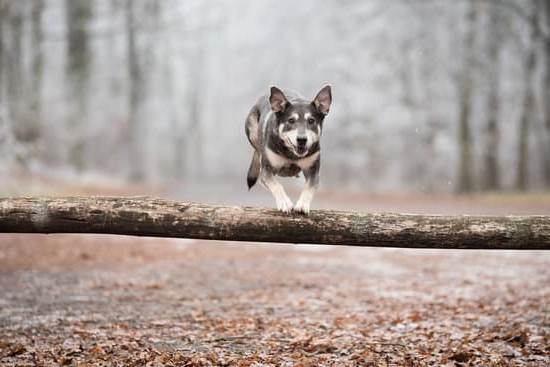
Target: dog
285, 131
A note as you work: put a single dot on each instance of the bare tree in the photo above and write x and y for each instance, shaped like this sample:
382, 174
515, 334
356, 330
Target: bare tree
22, 126
545, 13
528, 103
3, 50
14, 59
491, 173
465, 85
135, 93
78, 16
196, 89
37, 66
5, 128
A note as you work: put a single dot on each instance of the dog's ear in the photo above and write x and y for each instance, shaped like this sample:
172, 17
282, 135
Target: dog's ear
323, 100
277, 100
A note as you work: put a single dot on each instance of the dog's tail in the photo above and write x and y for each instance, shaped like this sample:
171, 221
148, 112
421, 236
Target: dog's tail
253, 170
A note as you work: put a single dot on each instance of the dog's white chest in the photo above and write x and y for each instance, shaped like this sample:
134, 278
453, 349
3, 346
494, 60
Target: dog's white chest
277, 161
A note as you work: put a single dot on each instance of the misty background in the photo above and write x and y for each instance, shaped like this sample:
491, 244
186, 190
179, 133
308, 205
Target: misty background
429, 96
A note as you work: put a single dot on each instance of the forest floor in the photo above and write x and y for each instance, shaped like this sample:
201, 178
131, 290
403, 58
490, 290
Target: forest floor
87, 300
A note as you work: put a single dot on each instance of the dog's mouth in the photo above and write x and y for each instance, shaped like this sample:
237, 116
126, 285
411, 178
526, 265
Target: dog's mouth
301, 150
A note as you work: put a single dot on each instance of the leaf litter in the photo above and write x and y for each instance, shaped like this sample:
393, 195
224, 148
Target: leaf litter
153, 302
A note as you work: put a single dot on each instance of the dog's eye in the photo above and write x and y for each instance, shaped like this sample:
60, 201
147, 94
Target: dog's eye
311, 121
291, 121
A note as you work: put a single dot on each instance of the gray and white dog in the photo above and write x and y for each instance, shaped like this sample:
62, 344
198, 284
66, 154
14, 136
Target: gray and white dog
285, 130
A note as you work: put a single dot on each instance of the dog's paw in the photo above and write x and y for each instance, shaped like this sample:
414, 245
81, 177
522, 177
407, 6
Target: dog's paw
301, 207
284, 205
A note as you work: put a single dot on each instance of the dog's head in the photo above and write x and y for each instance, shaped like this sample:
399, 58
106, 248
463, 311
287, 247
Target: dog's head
299, 123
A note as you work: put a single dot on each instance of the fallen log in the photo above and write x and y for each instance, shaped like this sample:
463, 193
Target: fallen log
142, 216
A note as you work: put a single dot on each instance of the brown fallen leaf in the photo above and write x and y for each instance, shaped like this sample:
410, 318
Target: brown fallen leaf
461, 357
97, 351
517, 340
13, 350
64, 360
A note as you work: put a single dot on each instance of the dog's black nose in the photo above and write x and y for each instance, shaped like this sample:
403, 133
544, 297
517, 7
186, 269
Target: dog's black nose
301, 141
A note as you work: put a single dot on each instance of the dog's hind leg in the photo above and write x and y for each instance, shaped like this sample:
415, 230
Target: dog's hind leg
284, 203
252, 129
253, 170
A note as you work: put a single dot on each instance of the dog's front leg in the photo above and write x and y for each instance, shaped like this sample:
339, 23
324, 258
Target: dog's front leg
312, 182
284, 204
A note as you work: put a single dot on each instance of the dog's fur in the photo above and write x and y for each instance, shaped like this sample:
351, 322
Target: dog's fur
285, 130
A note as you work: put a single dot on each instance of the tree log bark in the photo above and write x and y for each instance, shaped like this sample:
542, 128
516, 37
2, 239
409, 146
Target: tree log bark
143, 216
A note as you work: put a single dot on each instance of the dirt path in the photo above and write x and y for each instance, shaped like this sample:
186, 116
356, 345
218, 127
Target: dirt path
80, 300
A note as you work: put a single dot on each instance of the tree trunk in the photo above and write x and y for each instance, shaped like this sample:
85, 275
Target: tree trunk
6, 135
546, 91
194, 125
35, 85
528, 107
3, 49
161, 218
181, 149
37, 59
465, 168
14, 64
78, 15
135, 95
491, 174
